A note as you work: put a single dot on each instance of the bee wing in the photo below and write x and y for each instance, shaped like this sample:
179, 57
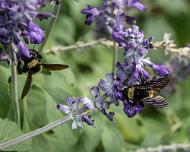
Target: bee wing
158, 101
54, 67
155, 84
27, 86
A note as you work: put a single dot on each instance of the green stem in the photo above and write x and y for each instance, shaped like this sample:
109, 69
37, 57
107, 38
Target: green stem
51, 24
14, 86
115, 58
34, 133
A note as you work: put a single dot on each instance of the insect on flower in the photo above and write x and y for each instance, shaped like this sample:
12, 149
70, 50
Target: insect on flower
147, 92
32, 66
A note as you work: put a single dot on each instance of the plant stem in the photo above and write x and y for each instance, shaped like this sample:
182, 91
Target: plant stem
51, 24
115, 58
34, 133
14, 86
80, 45
165, 148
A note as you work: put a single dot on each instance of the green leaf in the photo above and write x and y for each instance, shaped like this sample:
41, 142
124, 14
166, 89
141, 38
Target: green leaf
173, 7
10, 130
5, 99
130, 129
162, 26
90, 137
112, 140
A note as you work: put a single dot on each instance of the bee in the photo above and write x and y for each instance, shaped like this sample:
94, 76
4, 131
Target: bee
34, 65
148, 92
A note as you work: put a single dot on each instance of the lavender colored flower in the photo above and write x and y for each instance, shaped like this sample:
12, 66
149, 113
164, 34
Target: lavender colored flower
110, 87
124, 31
99, 102
137, 4
23, 50
91, 13
161, 70
17, 23
34, 34
78, 109
131, 109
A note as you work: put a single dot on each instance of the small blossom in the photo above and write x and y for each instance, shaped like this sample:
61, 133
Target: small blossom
137, 4
131, 109
34, 34
161, 70
78, 108
23, 50
91, 13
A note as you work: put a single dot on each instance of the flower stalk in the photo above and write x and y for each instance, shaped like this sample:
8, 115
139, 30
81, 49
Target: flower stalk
14, 86
165, 148
34, 133
115, 58
51, 24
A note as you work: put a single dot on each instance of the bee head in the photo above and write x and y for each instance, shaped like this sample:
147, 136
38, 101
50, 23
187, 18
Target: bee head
35, 54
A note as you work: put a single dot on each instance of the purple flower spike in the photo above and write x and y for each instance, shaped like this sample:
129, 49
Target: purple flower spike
17, 23
91, 13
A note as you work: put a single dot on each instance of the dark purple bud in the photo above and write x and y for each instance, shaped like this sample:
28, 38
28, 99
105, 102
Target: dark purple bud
87, 119
42, 16
91, 13
109, 115
148, 43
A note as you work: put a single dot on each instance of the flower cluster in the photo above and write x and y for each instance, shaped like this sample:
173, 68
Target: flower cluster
79, 109
133, 71
17, 24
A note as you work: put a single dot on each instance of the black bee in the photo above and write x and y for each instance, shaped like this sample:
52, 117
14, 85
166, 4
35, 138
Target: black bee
32, 66
147, 92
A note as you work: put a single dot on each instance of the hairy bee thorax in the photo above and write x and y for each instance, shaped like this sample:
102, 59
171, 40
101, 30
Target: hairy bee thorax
32, 63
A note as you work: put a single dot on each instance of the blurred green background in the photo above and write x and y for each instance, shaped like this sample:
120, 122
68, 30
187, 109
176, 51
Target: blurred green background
151, 128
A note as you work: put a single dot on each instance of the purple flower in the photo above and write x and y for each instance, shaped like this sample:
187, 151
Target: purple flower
17, 23
34, 34
137, 4
99, 102
133, 70
131, 109
161, 70
78, 108
23, 50
87, 119
107, 85
91, 13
